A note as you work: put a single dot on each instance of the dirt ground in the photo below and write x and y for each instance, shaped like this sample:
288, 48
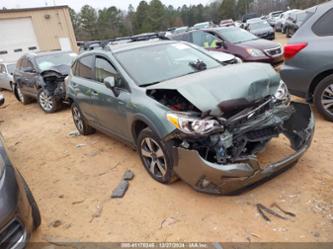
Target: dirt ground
72, 179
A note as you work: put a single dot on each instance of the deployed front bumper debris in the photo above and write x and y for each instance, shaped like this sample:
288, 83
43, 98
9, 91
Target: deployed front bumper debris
226, 178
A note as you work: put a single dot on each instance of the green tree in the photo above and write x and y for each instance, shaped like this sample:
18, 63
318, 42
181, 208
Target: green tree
227, 9
157, 15
88, 20
76, 22
243, 7
141, 19
110, 23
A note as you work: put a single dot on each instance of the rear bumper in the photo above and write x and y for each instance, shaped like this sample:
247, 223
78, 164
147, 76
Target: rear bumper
214, 178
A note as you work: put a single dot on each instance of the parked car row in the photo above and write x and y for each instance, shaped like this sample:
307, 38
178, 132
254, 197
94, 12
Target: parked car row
236, 41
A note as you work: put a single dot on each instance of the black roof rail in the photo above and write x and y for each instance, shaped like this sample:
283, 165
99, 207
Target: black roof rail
136, 38
90, 45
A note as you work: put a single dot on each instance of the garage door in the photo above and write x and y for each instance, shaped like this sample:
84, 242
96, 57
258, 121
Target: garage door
17, 38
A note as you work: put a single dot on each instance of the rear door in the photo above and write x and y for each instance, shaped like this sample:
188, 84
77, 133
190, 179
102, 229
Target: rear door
29, 76
82, 83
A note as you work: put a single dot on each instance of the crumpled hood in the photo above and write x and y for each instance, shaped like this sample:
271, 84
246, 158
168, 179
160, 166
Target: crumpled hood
207, 89
60, 69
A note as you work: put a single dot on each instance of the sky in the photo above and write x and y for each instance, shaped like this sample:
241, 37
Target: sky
77, 4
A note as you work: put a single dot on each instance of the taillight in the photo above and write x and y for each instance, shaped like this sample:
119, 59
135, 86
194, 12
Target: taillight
290, 50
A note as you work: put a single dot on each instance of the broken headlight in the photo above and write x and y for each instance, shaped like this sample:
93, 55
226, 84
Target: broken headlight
193, 125
282, 93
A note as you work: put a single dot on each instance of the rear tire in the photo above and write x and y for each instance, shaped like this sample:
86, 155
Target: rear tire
80, 122
323, 97
47, 103
156, 156
24, 99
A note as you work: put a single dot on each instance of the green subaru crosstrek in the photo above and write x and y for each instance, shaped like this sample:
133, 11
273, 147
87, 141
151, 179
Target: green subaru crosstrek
187, 115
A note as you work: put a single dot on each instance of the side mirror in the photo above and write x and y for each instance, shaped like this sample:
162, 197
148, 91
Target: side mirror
110, 83
2, 100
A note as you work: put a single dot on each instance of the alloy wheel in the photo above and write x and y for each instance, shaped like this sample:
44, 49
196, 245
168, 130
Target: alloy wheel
77, 118
45, 101
153, 157
327, 99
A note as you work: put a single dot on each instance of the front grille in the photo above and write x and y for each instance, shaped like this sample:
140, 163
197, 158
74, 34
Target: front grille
274, 51
11, 235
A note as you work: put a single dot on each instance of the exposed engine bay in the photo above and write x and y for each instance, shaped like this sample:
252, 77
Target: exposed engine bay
172, 99
241, 131
54, 83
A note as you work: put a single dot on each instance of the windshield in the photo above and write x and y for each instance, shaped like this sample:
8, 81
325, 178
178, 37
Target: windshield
45, 62
236, 35
154, 64
259, 25
11, 68
201, 25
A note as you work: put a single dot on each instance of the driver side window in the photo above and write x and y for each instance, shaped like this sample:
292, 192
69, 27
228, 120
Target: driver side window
204, 39
104, 69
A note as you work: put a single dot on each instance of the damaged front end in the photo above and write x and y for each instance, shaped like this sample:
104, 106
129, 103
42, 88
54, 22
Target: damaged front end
54, 82
218, 153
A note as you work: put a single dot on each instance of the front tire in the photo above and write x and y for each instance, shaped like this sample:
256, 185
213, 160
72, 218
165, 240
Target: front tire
156, 156
47, 103
323, 97
80, 122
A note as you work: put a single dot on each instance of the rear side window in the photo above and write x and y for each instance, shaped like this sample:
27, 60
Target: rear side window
324, 25
84, 67
25, 63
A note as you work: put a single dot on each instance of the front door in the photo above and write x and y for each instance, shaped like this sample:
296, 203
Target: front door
111, 109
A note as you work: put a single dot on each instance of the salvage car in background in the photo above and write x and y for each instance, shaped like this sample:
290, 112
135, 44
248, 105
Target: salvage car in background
272, 17
41, 76
308, 70
261, 29
6, 75
238, 42
19, 213
294, 21
186, 114
281, 21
